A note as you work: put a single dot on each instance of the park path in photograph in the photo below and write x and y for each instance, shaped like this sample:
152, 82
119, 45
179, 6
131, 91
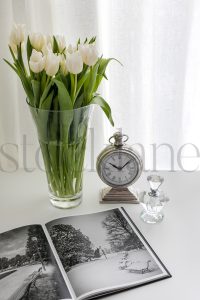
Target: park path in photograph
12, 284
28, 268
105, 273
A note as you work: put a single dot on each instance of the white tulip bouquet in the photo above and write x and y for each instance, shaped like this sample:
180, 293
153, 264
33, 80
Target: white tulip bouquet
71, 74
60, 82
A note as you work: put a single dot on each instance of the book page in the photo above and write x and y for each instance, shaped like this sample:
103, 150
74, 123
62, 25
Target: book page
104, 252
28, 267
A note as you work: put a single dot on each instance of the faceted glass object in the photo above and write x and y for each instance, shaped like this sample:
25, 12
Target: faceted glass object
153, 202
155, 182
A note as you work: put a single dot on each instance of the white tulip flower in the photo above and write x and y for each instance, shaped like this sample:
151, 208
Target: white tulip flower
63, 65
74, 62
17, 36
49, 40
38, 40
52, 64
89, 54
71, 49
37, 61
61, 42
47, 48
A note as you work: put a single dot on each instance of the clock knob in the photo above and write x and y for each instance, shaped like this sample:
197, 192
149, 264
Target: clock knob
119, 139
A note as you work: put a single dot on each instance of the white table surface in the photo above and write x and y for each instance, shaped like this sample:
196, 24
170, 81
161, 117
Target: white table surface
24, 200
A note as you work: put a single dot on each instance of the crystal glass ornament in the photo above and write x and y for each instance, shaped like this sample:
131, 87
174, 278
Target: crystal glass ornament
153, 201
155, 182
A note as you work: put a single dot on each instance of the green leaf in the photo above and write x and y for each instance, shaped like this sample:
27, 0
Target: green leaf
55, 103
90, 83
53, 123
45, 92
104, 106
36, 91
25, 82
12, 66
20, 70
79, 101
12, 53
63, 95
64, 79
81, 81
103, 63
55, 45
29, 49
72, 84
20, 59
46, 104
43, 81
93, 39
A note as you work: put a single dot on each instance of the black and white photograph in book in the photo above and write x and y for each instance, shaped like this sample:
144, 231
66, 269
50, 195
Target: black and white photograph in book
27, 266
102, 251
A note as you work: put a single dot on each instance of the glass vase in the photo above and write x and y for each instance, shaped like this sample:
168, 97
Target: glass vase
62, 137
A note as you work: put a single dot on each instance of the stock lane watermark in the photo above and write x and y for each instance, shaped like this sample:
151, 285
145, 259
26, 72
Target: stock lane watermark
28, 157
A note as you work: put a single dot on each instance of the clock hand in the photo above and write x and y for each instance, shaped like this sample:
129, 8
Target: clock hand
125, 164
114, 166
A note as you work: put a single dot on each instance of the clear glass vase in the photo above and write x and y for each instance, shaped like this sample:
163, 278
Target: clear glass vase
62, 136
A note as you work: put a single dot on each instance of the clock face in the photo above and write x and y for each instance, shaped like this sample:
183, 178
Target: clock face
119, 168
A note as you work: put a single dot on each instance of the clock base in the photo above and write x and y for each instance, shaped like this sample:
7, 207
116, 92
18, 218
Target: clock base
118, 195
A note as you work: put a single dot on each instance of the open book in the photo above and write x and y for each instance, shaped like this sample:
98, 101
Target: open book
80, 257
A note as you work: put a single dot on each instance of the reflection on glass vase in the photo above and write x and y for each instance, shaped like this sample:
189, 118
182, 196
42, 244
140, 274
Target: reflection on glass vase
62, 136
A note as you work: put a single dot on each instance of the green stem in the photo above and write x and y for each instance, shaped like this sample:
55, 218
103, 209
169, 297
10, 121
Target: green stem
80, 163
50, 175
61, 168
75, 87
47, 81
72, 84
63, 156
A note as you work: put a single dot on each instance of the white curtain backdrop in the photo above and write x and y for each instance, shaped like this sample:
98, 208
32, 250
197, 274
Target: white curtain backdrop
155, 96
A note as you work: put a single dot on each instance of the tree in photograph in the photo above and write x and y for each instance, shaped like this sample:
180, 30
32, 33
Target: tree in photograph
120, 234
4, 263
18, 260
14, 262
97, 253
40, 244
71, 244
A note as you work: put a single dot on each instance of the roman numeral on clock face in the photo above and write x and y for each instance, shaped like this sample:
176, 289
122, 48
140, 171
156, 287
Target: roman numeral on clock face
119, 169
